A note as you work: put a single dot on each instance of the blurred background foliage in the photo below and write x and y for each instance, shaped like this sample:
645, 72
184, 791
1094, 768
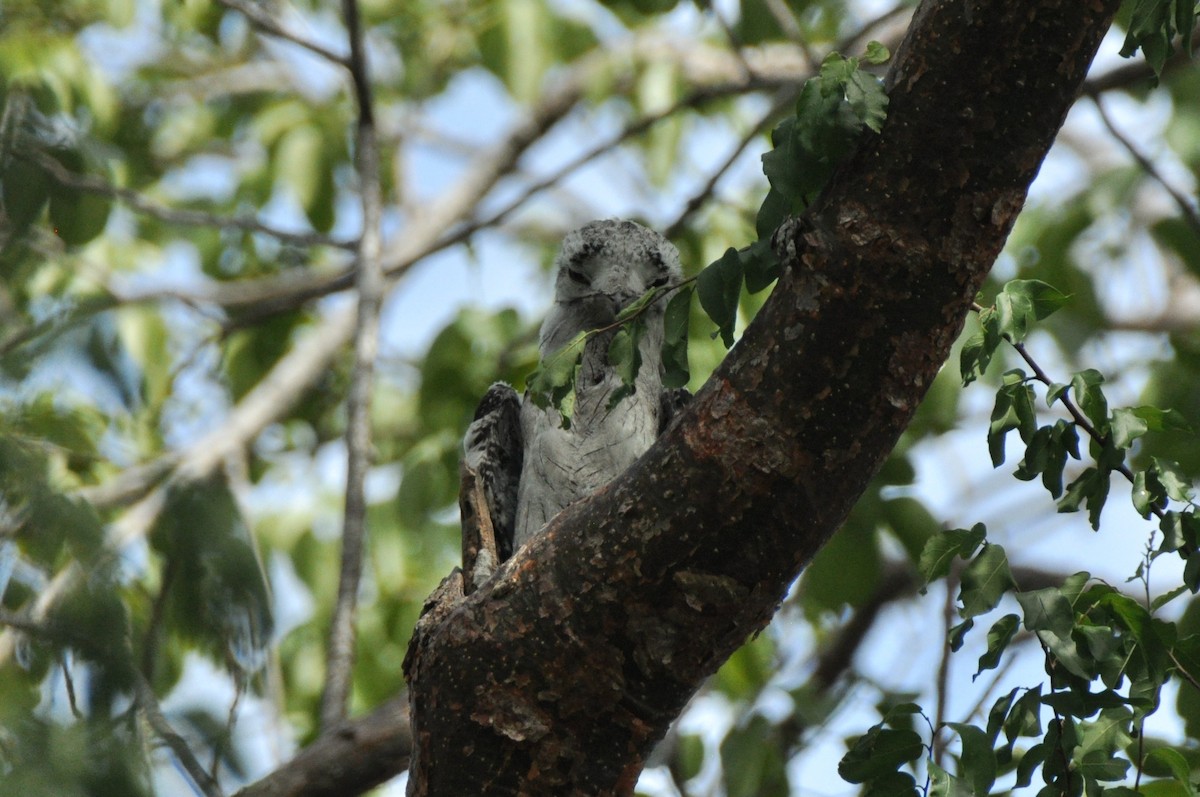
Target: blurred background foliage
178, 207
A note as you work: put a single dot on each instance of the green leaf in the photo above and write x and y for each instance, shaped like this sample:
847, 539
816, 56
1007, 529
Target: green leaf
1091, 487
893, 784
76, 216
998, 637
218, 597
1174, 481
719, 287
676, 321
943, 784
759, 263
1152, 27
879, 752
1013, 410
753, 761
984, 581
625, 352
1174, 762
877, 53
302, 162
1048, 614
941, 549
1025, 718
25, 189
1130, 423
1047, 452
552, 383
978, 761
958, 634
1085, 385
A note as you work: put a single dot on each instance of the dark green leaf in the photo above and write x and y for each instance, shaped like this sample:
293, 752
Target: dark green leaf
753, 761
978, 761
943, 784
552, 383
1013, 410
941, 549
1085, 385
958, 634
625, 352
984, 581
675, 338
1091, 487
892, 784
1174, 481
998, 637
1048, 613
878, 752
1176, 763
760, 265
719, 287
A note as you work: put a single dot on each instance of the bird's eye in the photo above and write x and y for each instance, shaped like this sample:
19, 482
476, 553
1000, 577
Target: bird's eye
661, 281
578, 277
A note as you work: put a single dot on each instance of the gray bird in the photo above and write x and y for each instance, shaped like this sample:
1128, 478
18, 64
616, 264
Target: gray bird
528, 466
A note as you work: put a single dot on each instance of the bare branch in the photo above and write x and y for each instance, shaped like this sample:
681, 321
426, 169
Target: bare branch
148, 704
1186, 208
355, 756
698, 199
370, 284
187, 218
269, 25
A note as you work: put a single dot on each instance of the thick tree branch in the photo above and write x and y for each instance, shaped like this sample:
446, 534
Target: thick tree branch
561, 673
351, 758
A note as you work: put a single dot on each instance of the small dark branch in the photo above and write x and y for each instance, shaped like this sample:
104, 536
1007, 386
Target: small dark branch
148, 704
264, 22
22, 623
1186, 208
83, 310
735, 42
851, 41
154, 626
69, 683
898, 581
226, 739
1138, 72
786, 19
949, 607
694, 99
370, 285
1076, 414
782, 100
186, 218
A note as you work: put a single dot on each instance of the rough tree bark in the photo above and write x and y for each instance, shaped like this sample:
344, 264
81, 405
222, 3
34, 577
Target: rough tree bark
560, 675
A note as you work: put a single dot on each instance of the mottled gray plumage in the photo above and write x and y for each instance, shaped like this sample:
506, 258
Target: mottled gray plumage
602, 268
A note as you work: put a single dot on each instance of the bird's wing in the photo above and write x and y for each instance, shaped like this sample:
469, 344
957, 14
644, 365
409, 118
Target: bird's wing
492, 455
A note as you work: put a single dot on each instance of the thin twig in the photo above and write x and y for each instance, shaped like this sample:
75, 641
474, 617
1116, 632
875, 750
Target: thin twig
148, 704
1076, 414
267, 24
851, 40
949, 609
782, 100
186, 218
370, 283
1183, 202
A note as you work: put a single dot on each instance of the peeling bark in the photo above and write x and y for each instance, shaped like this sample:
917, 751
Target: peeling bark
558, 676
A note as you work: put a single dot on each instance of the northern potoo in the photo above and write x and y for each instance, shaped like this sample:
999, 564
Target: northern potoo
527, 465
